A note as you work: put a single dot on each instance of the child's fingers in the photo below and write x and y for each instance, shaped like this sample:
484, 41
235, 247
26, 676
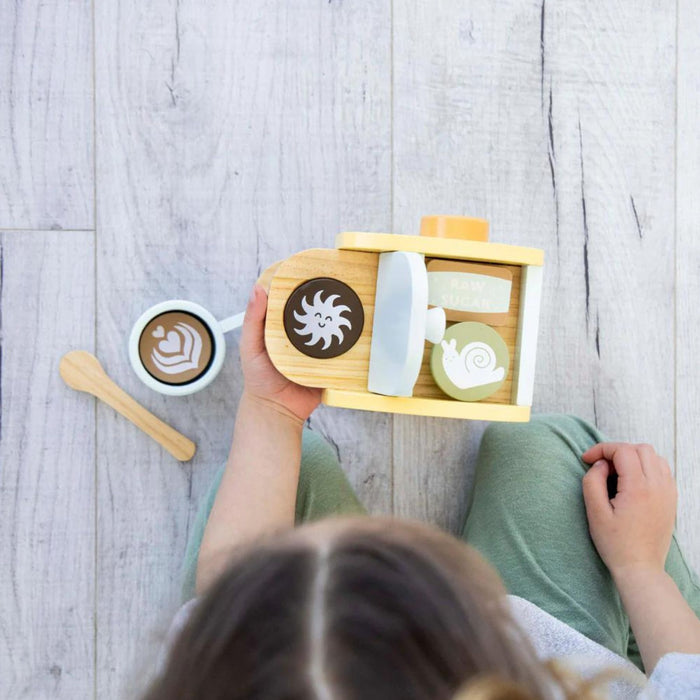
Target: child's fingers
595, 491
253, 331
595, 452
665, 469
603, 450
649, 460
653, 464
625, 459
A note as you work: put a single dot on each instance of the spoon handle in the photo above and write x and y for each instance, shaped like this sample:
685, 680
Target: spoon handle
178, 445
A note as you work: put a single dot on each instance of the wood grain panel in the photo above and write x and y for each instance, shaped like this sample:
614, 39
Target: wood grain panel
359, 272
47, 468
46, 115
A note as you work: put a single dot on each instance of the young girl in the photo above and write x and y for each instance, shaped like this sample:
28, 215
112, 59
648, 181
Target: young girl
360, 607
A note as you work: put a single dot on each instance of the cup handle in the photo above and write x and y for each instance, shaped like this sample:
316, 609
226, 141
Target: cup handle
232, 322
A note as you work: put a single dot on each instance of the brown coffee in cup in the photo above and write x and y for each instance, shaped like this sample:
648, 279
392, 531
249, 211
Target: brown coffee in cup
176, 347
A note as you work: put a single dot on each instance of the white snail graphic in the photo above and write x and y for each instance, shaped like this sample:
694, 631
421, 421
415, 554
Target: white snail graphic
179, 350
474, 365
322, 320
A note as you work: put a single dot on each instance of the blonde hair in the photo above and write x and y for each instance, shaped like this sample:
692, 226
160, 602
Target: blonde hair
572, 685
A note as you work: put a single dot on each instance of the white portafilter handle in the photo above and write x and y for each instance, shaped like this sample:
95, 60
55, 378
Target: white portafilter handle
232, 322
435, 324
402, 323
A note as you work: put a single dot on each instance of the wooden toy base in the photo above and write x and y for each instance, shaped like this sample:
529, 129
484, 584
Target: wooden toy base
344, 378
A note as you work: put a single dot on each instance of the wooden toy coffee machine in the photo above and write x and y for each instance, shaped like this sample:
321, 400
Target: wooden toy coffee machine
440, 324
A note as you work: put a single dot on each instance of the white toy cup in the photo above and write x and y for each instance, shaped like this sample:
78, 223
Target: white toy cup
177, 347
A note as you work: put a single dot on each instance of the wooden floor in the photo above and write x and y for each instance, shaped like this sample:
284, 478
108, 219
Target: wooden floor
175, 148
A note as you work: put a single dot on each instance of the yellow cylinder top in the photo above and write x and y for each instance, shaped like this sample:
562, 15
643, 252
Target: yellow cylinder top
462, 227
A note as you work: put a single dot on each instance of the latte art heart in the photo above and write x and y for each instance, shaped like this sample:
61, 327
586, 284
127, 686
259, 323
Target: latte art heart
158, 332
172, 344
180, 350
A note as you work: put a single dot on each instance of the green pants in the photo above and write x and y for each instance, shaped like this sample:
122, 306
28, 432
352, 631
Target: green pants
323, 490
527, 518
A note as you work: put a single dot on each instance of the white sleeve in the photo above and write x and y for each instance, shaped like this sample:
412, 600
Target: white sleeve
675, 677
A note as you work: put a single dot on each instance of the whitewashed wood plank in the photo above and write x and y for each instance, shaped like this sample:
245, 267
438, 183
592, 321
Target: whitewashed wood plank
608, 319
227, 139
47, 463
555, 122
688, 280
448, 103
46, 127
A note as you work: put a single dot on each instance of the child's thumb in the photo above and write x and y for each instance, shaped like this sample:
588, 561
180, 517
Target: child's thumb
253, 332
595, 490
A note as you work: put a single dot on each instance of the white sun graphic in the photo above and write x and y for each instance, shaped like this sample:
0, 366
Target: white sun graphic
322, 320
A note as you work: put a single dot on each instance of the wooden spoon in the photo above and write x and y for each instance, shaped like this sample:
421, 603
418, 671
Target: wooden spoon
82, 371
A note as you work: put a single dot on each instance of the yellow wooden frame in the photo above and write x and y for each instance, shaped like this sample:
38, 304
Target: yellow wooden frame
440, 247
285, 276
417, 406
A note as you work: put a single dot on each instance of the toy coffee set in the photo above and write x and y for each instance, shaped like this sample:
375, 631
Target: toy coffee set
440, 324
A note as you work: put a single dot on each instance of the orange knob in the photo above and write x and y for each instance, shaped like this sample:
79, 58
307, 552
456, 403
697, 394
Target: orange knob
455, 227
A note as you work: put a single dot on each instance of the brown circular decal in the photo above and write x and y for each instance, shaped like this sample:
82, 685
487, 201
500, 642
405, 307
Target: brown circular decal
176, 347
323, 317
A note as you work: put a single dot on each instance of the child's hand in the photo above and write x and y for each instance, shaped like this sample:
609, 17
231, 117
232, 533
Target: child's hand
262, 381
633, 529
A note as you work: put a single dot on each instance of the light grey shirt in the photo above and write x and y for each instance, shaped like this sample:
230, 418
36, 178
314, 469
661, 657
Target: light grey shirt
676, 676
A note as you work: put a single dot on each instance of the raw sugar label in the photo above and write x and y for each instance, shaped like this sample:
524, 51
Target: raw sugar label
469, 291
